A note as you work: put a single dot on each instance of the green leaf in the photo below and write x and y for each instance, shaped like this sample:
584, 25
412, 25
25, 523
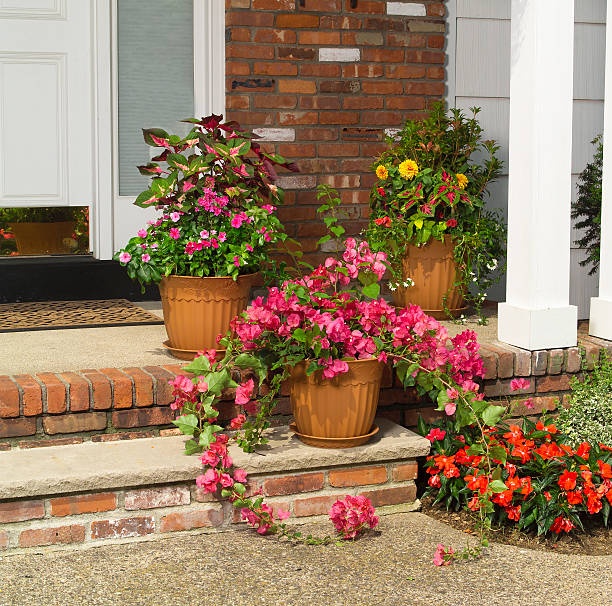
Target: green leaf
498, 453
492, 414
187, 424
199, 366
191, 447
300, 335
475, 449
371, 290
208, 435
497, 486
239, 488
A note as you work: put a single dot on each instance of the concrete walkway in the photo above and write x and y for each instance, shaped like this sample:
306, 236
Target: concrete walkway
118, 347
391, 568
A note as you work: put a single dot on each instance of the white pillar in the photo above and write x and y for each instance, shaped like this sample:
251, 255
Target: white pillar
601, 306
537, 314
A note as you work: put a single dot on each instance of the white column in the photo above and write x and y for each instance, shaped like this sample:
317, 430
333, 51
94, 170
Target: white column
537, 314
601, 306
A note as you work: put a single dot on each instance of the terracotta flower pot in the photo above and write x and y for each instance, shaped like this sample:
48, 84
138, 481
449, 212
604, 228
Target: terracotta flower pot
42, 238
433, 270
338, 412
196, 310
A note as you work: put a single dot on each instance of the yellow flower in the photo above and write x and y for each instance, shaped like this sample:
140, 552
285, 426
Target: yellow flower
382, 172
462, 180
408, 169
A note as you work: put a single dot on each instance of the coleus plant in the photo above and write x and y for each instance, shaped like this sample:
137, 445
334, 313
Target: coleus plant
216, 193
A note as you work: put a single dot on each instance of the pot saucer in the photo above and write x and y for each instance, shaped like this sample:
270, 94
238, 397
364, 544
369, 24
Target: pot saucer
181, 354
189, 354
333, 442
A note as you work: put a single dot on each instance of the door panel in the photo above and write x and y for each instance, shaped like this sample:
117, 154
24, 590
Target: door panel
46, 102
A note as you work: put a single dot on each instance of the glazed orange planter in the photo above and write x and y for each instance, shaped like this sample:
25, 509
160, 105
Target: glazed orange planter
197, 310
338, 412
433, 270
42, 238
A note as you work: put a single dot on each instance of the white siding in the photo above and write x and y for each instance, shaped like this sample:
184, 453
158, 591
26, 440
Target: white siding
479, 66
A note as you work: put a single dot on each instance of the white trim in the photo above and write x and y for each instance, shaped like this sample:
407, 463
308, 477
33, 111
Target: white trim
101, 213
208, 57
451, 53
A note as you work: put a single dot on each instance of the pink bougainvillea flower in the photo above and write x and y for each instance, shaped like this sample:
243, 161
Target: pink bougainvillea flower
208, 481
528, 403
240, 475
209, 459
226, 480
281, 514
175, 233
450, 408
517, 384
244, 392
452, 393
439, 556
125, 257
237, 422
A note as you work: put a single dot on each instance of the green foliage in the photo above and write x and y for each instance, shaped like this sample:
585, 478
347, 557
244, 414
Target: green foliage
586, 210
589, 416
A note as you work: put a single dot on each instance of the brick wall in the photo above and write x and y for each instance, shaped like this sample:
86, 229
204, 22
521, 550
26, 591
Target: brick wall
322, 81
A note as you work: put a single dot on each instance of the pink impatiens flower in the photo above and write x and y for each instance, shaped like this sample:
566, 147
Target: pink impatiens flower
436, 434
175, 233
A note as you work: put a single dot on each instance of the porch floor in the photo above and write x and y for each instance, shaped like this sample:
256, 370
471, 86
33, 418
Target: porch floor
32, 352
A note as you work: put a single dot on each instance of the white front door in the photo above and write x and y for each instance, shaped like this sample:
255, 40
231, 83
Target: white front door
46, 103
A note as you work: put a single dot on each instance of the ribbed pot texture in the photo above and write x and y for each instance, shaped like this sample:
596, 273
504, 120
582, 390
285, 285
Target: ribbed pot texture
341, 407
42, 238
196, 310
433, 270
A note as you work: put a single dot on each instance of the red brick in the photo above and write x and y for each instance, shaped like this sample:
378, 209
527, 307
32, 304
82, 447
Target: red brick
73, 423
143, 386
254, 118
322, 6
356, 70
435, 41
9, 398
339, 118
556, 358
391, 414
391, 496
100, 389
175, 431
282, 36
338, 149
122, 528
54, 393
360, 476
573, 361
297, 21
4, 446
409, 40
293, 484
501, 387
75, 533
436, 9
382, 88
314, 506
150, 498
250, 18
340, 22
163, 391
539, 362
20, 511
319, 102
240, 35
505, 360
124, 435
78, 391
553, 383
341, 181
142, 417
424, 88
84, 503
592, 352
275, 69
383, 55
320, 70
539, 405
274, 5
405, 102
436, 73
405, 471
45, 443
423, 56
237, 68
4, 539
316, 37
32, 395
200, 518
14, 428
290, 118
249, 51
275, 101
122, 387
370, 7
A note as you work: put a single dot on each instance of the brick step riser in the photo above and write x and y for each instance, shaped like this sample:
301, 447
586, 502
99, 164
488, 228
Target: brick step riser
93, 518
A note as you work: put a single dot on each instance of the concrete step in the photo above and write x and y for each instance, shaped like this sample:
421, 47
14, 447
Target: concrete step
88, 493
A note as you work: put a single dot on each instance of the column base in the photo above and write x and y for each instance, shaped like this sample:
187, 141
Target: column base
535, 329
600, 322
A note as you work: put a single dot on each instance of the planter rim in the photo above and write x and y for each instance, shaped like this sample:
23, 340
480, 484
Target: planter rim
211, 277
347, 360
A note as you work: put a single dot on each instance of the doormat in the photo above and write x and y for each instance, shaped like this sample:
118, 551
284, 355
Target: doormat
55, 315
